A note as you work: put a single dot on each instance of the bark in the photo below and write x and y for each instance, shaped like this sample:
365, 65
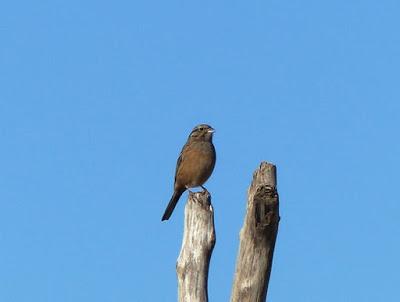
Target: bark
257, 237
197, 246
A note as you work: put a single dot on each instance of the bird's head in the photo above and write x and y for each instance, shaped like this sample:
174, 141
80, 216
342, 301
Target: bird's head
202, 132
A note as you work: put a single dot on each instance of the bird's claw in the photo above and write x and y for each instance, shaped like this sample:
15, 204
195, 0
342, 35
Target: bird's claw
204, 189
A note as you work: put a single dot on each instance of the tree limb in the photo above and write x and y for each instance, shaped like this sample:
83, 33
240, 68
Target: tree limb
197, 246
257, 237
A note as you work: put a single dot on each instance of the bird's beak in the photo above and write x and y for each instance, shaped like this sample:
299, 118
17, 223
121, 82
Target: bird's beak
211, 130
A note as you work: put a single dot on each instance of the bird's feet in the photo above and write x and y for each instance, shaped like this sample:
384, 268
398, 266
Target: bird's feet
204, 189
203, 192
190, 192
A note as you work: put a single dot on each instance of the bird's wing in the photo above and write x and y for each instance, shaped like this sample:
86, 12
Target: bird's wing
181, 158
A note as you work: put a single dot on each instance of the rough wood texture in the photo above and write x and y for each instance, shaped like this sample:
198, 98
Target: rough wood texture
197, 246
257, 237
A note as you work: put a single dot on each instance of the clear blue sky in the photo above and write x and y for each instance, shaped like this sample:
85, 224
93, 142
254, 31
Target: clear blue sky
97, 99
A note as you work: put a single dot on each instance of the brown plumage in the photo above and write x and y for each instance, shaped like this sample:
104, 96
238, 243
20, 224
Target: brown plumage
195, 164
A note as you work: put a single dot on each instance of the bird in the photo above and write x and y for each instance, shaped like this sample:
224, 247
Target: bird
194, 166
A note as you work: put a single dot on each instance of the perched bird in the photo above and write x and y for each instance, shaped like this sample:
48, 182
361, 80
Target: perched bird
195, 164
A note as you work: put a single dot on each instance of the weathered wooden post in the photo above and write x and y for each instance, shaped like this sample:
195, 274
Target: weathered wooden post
257, 242
257, 237
197, 245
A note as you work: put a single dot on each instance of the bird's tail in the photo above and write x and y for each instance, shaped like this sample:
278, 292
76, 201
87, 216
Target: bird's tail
172, 203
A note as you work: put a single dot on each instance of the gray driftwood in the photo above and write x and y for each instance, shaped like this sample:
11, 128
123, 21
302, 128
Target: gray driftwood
197, 246
257, 237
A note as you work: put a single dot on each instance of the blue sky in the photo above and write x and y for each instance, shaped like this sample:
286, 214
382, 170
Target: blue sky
97, 99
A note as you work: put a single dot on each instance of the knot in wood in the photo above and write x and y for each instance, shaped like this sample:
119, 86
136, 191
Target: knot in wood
266, 206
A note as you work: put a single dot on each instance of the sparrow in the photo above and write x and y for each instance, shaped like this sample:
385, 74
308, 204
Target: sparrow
195, 164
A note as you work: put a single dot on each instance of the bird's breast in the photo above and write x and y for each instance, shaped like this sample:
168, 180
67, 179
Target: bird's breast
197, 165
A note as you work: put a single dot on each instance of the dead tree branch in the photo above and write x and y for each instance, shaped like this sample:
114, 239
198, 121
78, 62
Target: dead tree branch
197, 246
257, 237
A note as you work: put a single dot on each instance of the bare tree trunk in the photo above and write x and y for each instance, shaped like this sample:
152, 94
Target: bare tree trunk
257, 237
197, 246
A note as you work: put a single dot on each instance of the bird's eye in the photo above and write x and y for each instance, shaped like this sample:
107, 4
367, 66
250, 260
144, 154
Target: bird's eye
201, 128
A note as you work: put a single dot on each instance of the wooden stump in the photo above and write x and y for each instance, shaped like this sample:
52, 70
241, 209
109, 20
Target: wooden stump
197, 246
257, 237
